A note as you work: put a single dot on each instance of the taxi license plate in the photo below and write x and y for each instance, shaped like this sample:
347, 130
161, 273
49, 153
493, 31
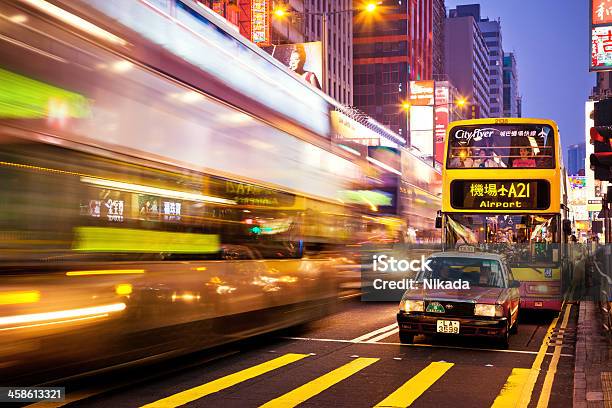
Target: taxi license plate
448, 326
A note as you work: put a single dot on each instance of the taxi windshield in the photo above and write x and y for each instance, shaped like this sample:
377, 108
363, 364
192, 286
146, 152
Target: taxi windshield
477, 271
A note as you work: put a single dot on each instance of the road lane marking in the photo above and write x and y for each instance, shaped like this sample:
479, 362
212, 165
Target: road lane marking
383, 336
552, 367
320, 384
374, 333
382, 343
412, 389
512, 389
525, 397
222, 383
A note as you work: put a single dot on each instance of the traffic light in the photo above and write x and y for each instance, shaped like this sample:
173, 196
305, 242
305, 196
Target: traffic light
601, 159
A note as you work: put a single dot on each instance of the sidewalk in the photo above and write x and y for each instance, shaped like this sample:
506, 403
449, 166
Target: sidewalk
593, 363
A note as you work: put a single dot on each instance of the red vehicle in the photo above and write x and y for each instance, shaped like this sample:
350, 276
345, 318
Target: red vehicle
465, 294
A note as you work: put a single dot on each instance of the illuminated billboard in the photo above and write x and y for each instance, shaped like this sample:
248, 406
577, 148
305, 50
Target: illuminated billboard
441, 118
421, 129
422, 93
601, 12
260, 22
601, 48
305, 59
601, 35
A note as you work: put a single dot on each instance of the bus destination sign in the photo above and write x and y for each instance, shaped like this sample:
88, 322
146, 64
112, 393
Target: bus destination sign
500, 195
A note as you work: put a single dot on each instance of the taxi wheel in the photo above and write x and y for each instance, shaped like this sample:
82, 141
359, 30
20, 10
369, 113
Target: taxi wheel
504, 340
406, 338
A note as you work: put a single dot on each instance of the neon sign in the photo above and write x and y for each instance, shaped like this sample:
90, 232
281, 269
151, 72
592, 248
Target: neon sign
260, 24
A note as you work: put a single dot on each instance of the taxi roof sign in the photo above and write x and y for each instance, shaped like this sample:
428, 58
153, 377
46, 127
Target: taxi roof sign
466, 248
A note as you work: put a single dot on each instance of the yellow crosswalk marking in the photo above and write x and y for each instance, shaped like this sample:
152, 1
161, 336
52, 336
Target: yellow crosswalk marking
222, 383
412, 389
552, 367
511, 392
318, 385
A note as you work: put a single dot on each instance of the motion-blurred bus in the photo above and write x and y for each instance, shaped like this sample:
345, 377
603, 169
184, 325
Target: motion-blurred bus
504, 190
166, 186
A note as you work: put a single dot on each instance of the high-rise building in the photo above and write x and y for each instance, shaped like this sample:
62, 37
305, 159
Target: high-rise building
390, 49
439, 16
467, 59
576, 154
290, 28
302, 22
339, 43
511, 93
491, 31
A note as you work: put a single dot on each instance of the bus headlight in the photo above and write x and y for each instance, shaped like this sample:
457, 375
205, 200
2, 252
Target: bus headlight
488, 310
408, 306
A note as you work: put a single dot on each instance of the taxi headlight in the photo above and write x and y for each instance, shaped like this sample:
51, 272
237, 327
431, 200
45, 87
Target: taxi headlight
412, 305
488, 310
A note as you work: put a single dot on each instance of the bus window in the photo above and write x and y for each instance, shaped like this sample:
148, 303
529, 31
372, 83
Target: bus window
501, 146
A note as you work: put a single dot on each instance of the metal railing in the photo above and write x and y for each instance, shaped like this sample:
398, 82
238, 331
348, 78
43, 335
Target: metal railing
602, 281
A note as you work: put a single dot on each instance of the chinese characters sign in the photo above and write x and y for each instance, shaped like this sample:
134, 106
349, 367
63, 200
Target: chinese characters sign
114, 210
494, 195
260, 25
601, 35
422, 93
601, 48
602, 12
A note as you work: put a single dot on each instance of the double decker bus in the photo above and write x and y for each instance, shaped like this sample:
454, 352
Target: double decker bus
504, 190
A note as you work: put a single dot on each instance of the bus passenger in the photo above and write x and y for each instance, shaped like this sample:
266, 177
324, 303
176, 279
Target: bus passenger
463, 159
484, 159
526, 160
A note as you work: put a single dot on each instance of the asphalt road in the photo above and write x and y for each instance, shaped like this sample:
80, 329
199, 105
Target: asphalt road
353, 359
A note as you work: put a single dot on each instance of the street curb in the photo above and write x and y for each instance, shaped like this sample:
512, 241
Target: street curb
591, 356
579, 394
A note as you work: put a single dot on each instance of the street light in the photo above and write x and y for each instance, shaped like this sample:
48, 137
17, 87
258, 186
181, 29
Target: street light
368, 7
461, 102
406, 106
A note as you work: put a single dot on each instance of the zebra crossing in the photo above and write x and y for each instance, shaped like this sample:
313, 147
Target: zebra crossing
403, 396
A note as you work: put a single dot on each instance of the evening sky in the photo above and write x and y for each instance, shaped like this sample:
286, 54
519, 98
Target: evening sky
551, 42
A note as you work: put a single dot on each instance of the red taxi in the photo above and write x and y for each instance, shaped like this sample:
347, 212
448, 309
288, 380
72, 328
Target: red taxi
464, 293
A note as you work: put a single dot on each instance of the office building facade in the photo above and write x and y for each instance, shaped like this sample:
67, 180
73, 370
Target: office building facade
467, 60
491, 31
511, 98
390, 49
438, 17
301, 23
576, 154
339, 43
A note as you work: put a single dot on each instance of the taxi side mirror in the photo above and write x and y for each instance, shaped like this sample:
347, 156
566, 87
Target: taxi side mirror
438, 222
515, 284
